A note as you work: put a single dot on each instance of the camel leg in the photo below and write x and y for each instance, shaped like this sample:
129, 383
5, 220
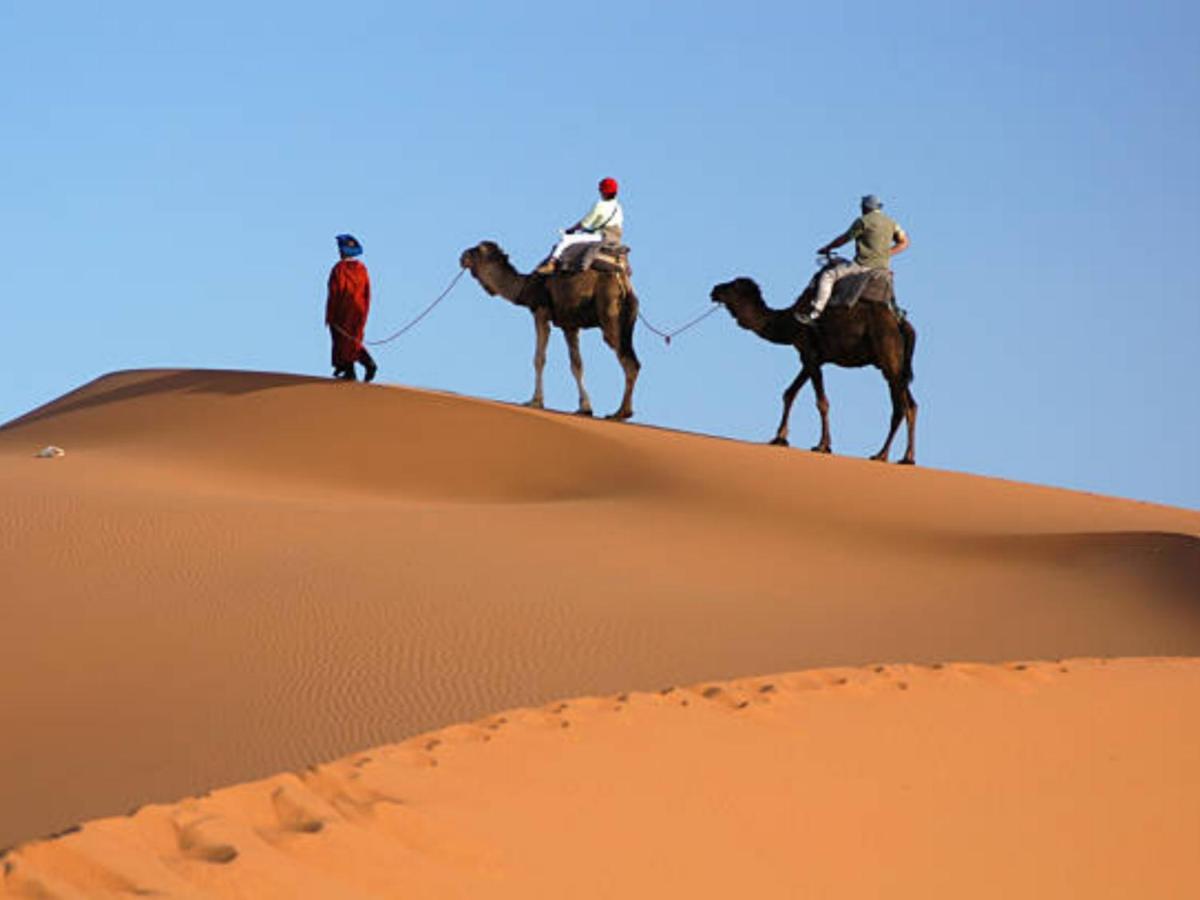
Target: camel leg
896, 364
541, 323
618, 334
585, 402
825, 445
789, 396
910, 413
899, 410
629, 362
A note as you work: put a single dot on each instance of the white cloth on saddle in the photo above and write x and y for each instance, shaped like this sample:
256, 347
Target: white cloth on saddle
578, 239
580, 257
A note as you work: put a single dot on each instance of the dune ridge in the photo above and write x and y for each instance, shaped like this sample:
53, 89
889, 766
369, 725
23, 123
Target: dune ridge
232, 574
949, 780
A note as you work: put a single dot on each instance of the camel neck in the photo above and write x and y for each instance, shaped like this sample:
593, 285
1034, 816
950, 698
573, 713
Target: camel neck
505, 282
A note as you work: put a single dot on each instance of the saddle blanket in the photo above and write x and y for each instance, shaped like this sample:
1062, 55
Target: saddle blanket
875, 285
601, 257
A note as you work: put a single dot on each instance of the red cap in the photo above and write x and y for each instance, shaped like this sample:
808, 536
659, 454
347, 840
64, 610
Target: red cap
608, 187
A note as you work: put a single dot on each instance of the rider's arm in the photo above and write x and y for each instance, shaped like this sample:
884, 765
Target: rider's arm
594, 218
901, 242
836, 242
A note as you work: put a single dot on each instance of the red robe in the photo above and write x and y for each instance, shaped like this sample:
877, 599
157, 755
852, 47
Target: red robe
346, 310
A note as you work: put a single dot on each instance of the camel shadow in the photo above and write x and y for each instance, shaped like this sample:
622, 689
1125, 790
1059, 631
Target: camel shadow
190, 381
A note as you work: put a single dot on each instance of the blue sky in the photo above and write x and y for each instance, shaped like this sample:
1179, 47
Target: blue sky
172, 177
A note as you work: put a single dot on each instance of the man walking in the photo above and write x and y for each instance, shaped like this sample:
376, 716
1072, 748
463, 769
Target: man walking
346, 310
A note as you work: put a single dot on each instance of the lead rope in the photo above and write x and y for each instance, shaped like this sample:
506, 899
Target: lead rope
667, 335
426, 311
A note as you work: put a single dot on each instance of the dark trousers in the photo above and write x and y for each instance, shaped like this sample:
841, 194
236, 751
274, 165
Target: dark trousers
363, 358
346, 369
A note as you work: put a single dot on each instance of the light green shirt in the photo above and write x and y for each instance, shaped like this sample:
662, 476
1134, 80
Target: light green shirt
874, 236
604, 215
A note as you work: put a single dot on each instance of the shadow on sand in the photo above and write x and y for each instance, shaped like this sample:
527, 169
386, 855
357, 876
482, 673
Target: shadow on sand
1167, 561
131, 384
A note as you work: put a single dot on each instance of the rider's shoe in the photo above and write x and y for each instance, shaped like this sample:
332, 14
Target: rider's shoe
805, 318
370, 369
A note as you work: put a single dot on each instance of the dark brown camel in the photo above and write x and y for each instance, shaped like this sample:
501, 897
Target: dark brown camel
571, 301
867, 334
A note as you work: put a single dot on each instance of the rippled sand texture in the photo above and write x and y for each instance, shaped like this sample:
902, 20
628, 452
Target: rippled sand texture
233, 574
1066, 779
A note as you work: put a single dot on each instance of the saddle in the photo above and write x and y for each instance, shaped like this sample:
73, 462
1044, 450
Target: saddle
873, 286
602, 257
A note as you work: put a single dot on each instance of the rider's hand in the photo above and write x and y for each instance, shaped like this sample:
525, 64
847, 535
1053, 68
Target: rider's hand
821, 251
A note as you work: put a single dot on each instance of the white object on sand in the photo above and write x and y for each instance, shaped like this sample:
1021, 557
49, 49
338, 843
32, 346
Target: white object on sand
51, 452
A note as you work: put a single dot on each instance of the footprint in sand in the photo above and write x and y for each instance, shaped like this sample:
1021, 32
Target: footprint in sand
298, 811
326, 795
204, 838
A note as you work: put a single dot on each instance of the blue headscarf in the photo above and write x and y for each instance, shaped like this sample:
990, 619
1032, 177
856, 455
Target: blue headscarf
871, 203
348, 245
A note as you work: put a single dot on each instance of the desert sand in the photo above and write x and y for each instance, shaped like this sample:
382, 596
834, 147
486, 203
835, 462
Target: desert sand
234, 575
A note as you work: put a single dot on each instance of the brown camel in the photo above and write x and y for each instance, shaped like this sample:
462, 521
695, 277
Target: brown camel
571, 301
868, 333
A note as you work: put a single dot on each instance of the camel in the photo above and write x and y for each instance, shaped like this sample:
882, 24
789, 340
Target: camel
868, 333
571, 301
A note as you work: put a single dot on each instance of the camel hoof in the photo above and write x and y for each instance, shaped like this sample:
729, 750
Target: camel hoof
620, 415
534, 404
879, 458
779, 442
820, 449
584, 412
906, 462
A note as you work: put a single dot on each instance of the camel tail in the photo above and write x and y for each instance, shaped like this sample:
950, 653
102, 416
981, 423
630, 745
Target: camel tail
910, 344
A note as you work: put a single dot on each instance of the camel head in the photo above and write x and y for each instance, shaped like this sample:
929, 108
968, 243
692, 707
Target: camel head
484, 260
741, 297
481, 253
745, 303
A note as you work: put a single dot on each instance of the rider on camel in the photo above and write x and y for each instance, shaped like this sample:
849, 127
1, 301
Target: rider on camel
602, 224
877, 238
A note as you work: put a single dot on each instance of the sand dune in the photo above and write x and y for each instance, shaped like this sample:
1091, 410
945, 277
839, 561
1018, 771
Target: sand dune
899, 781
234, 574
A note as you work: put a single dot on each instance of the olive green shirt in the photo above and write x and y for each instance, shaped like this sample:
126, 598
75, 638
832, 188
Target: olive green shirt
874, 236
